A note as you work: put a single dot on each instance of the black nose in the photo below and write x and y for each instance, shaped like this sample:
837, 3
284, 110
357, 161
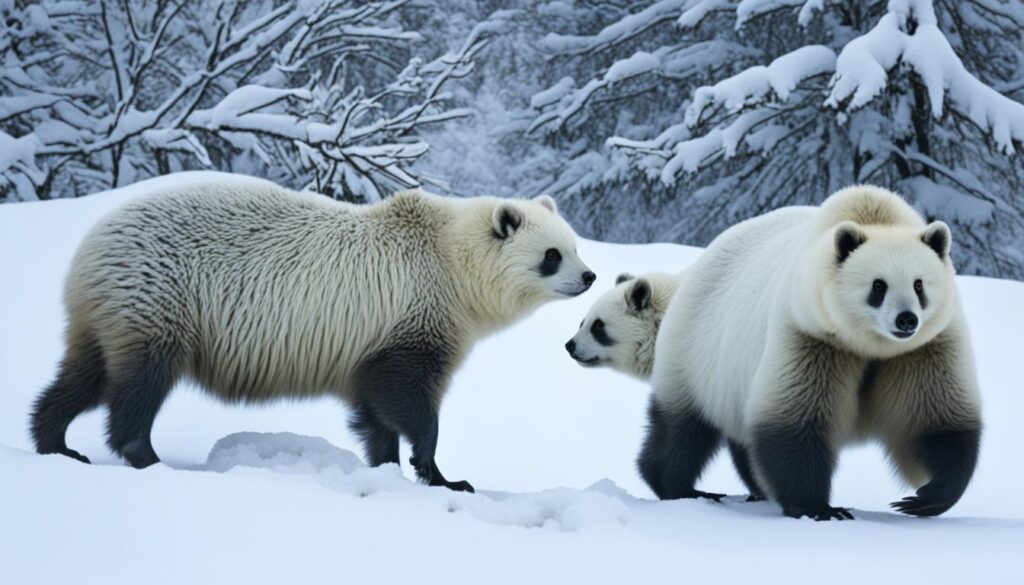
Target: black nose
906, 321
589, 278
570, 346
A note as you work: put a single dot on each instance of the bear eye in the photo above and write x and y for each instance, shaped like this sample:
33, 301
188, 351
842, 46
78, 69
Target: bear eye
600, 335
918, 286
552, 255
877, 295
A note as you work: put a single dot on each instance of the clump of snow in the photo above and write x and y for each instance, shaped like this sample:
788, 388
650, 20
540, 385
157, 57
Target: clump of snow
14, 150
280, 452
641, 62
552, 94
753, 84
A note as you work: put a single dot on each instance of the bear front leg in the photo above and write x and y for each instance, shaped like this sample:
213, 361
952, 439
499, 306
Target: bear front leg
949, 457
678, 446
402, 386
796, 461
928, 410
804, 398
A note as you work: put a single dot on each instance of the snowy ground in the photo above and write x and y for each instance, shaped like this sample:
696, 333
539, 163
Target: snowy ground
549, 446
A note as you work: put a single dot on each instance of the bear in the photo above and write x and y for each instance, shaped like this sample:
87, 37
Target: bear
257, 292
806, 329
621, 326
619, 332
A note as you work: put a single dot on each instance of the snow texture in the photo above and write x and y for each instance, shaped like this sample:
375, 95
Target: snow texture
272, 493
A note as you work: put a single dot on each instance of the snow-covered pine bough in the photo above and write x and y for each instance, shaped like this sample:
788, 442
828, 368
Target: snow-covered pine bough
619, 332
257, 293
808, 328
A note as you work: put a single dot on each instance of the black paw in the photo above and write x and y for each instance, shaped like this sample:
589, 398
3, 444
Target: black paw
72, 454
756, 498
919, 506
692, 494
819, 513
139, 455
459, 486
930, 500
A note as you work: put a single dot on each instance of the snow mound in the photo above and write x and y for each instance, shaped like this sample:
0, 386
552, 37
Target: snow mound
283, 452
563, 510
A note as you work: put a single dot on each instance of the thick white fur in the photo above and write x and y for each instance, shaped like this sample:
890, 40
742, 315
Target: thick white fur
262, 292
767, 298
633, 331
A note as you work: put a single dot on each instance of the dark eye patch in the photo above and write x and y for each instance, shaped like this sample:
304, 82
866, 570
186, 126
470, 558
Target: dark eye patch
919, 290
600, 335
877, 295
551, 263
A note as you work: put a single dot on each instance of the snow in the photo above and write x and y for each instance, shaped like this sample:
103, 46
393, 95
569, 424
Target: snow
553, 94
750, 86
14, 150
271, 493
862, 68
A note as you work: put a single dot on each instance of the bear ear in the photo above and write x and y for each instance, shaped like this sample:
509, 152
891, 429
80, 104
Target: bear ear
938, 238
506, 219
848, 238
623, 278
639, 295
548, 202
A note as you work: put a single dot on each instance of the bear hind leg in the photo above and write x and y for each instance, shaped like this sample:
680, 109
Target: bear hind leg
380, 443
78, 388
139, 383
741, 461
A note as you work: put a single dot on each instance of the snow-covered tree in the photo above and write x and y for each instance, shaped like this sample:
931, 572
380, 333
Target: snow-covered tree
725, 109
326, 94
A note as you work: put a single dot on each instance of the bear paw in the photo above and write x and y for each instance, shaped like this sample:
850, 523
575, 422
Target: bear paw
920, 506
818, 513
459, 486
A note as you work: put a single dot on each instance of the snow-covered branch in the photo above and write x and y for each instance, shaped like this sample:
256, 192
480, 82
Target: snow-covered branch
774, 102
192, 83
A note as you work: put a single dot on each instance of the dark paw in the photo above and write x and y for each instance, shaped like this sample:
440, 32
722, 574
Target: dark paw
139, 455
918, 506
819, 513
756, 498
693, 494
72, 454
930, 500
459, 486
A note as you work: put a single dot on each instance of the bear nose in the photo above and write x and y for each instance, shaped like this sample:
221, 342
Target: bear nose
570, 346
906, 321
589, 278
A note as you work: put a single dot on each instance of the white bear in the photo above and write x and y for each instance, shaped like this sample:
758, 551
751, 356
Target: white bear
620, 329
257, 293
805, 329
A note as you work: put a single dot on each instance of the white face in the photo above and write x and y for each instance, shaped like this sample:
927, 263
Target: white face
539, 251
616, 330
894, 286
